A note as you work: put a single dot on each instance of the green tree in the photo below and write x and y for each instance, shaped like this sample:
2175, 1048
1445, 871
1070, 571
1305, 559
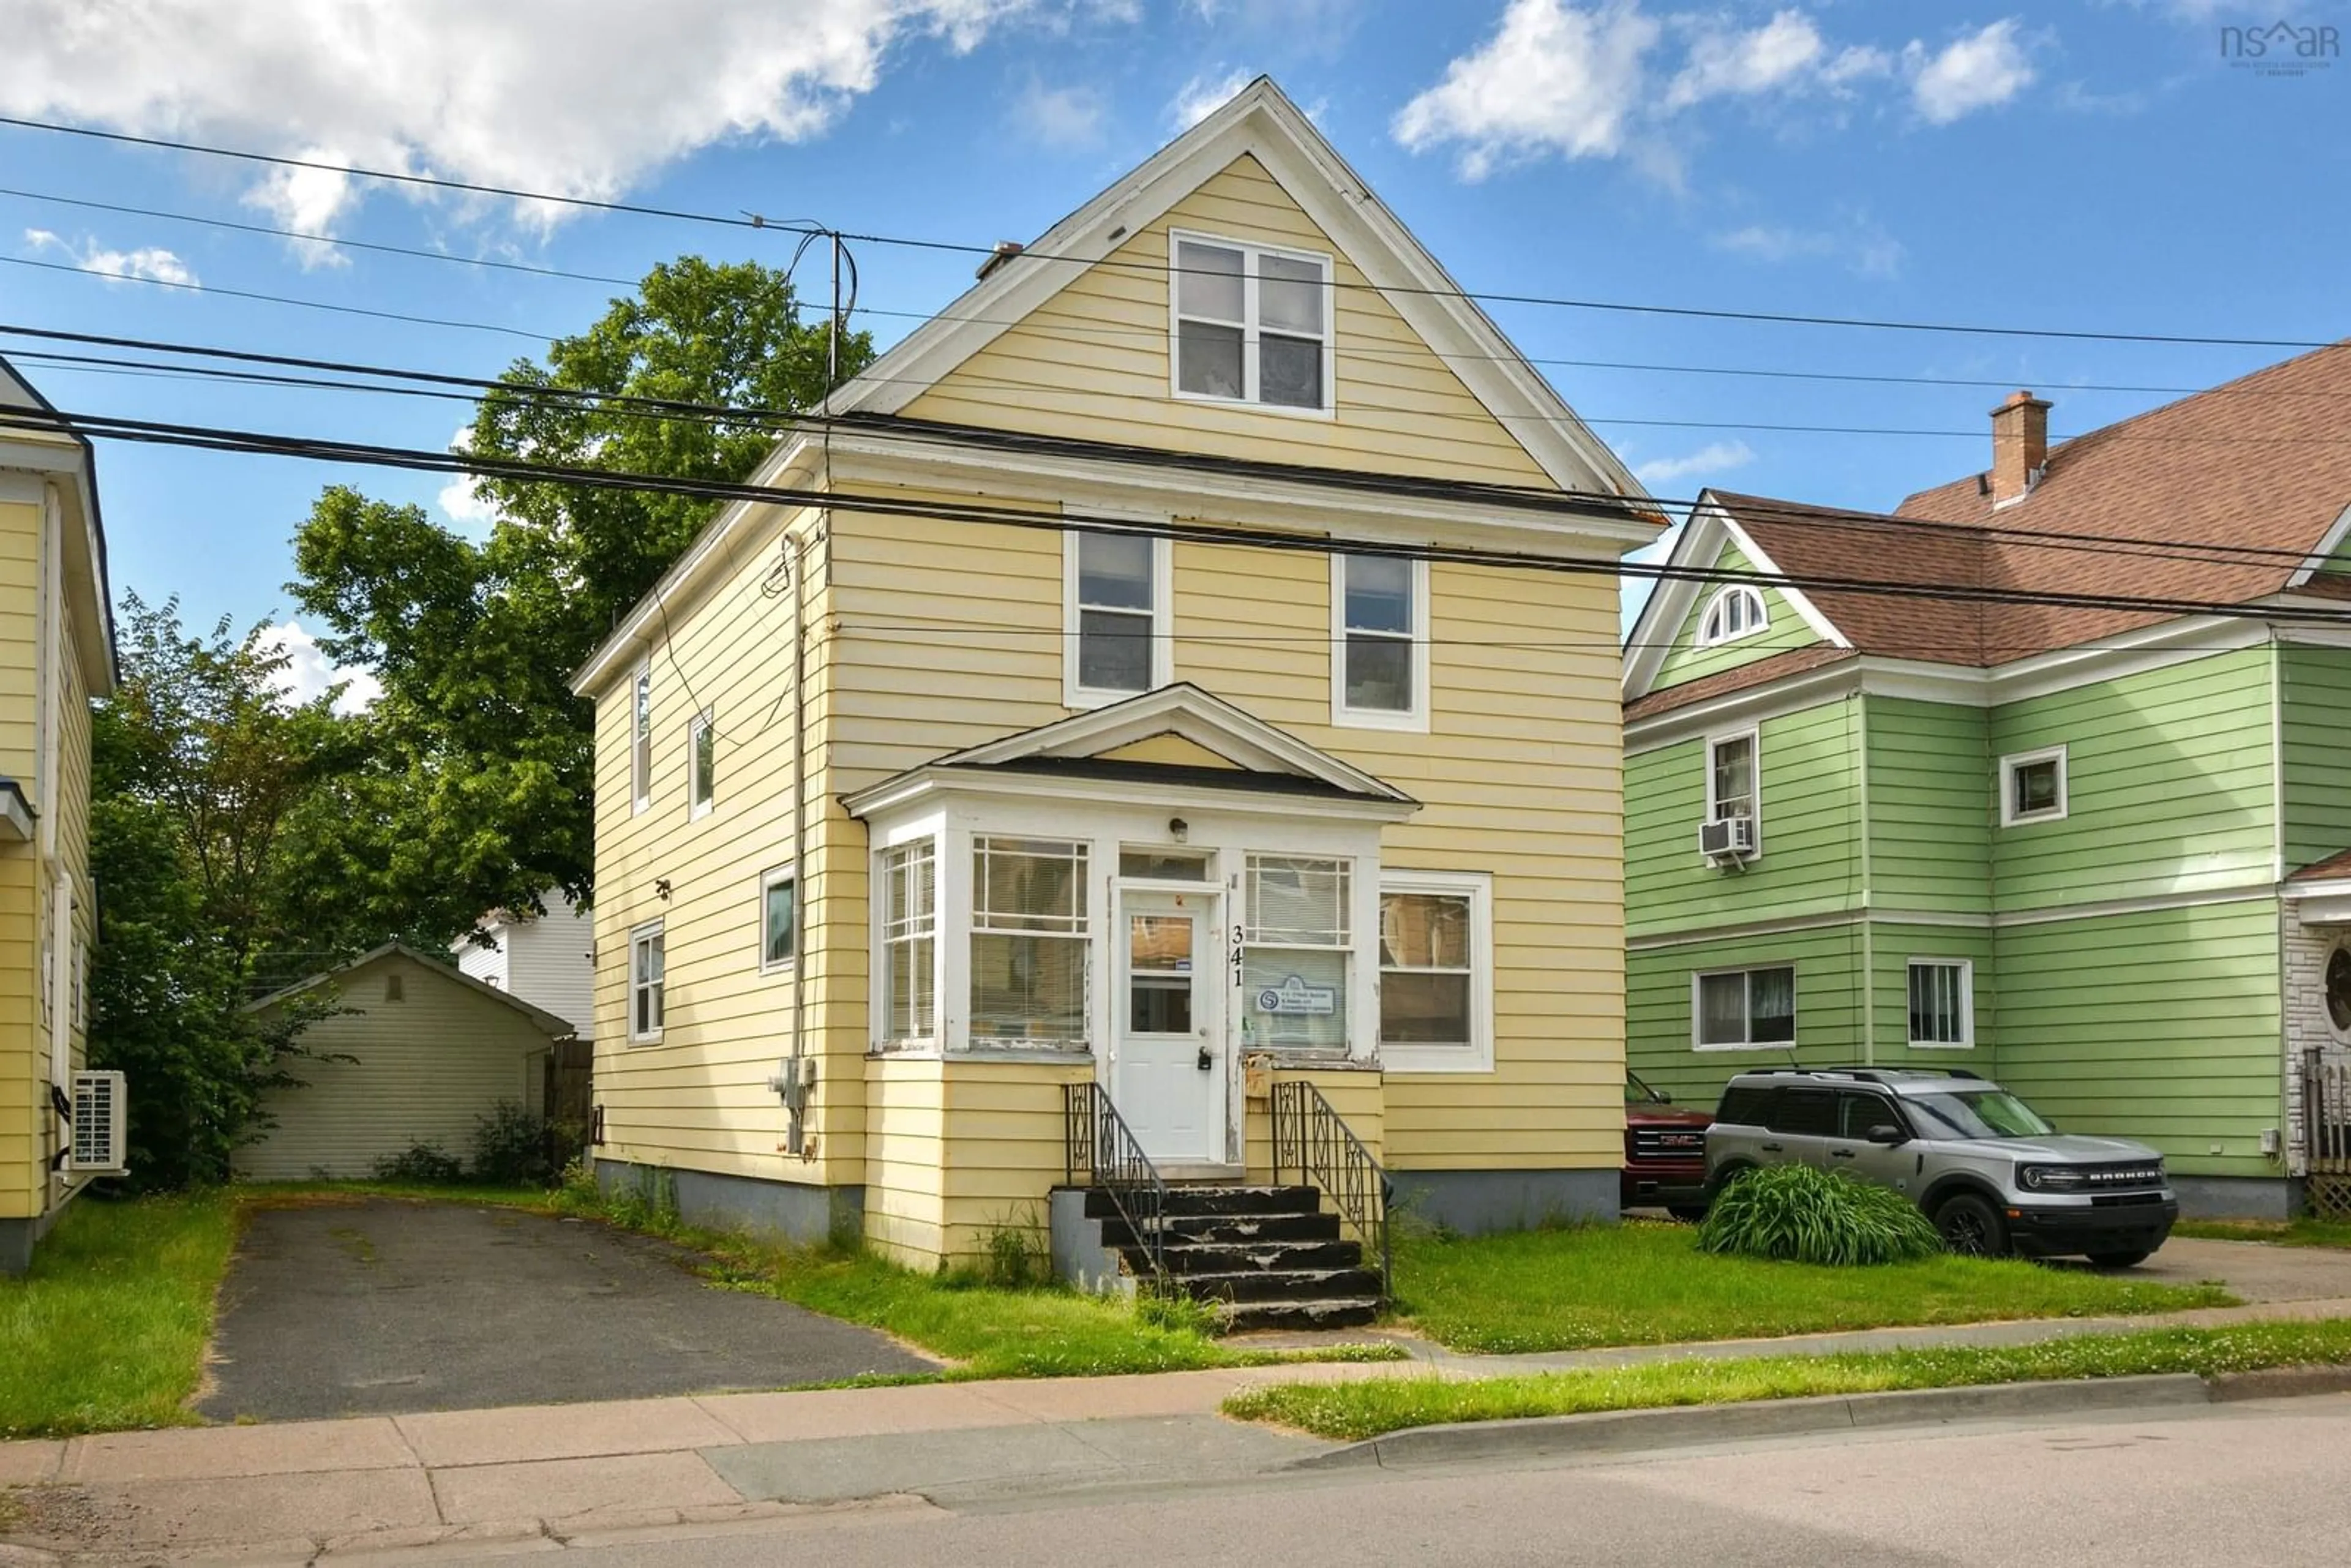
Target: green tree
477, 792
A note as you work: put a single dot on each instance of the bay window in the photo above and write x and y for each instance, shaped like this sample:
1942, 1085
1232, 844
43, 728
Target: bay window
1031, 947
910, 920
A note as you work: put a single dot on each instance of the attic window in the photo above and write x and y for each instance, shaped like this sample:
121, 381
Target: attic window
1737, 611
392, 988
1251, 325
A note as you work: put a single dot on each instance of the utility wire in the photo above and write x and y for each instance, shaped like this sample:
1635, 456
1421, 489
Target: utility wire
1031, 256
275, 298
215, 438
782, 420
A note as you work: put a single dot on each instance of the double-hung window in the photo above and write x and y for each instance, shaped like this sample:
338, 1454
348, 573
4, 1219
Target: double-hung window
648, 982
1731, 784
702, 756
1943, 1002
1029, 942
1738, 1007
1298, 953
1115, 590
640, 738
910, 926
780, 920
1436, 980
1379, 642
1251, 325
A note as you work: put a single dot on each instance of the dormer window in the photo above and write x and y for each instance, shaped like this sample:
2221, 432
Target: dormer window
1251, 324
1737, 611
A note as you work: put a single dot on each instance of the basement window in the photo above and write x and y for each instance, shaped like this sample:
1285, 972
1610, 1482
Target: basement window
1251, 324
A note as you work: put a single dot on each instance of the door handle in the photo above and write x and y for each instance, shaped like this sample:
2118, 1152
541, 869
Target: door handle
1768, 1148
1839, 1154
1207, 1059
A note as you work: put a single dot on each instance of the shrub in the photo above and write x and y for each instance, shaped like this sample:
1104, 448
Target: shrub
511, 1147
1805, 1215
428, 1164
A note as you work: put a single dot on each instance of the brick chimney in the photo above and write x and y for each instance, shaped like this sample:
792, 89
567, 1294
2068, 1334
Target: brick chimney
2019, 446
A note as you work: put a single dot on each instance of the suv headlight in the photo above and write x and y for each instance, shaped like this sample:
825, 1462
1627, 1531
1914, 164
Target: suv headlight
2053, 1178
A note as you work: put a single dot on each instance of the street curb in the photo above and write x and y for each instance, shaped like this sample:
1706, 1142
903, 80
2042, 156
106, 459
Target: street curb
1685, 1425
2279, 1383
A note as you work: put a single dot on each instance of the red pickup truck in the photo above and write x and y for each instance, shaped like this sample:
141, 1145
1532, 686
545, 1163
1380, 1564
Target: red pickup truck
1665, 1152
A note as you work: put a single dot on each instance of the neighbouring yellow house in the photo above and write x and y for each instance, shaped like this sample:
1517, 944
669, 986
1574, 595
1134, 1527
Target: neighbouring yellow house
1200, 679
57, 652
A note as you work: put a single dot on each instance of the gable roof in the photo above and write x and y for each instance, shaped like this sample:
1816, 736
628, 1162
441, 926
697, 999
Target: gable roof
1265, 759
1259, 122
559, 1029
2262, 463
85, 566
1712, 527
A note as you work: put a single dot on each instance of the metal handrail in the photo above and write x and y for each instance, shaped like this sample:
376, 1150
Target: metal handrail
1096, 1141
1309, 1134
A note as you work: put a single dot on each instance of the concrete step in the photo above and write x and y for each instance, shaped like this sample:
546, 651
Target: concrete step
1330, 1313
1260, 1258
1232, 1228
1189, 1201
1297, 1285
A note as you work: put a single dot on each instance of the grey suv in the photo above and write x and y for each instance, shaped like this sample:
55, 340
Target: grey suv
1993, 1177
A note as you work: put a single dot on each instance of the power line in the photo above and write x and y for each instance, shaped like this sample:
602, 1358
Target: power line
1384, 291
781, 420
275, 298
214, 438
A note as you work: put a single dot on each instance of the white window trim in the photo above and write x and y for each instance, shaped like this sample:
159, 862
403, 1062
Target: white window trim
1412, 720
947, 886
1737, 590
640, 762
698, 804
1477, 1056
1754, 738
1163, 619
1795, 1007
1967, 969
768, 879
1250, 250
637, 937
2010, 817
1086, 934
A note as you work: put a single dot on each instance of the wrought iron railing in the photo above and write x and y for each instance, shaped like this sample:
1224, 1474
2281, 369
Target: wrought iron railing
1312, 1139
1100, 1148
2326, 1132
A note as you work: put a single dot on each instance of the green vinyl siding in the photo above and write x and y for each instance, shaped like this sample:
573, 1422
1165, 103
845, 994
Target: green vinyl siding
1891, 948
2314, 688
1688, 662
1659, 1039
2168, 785
1931, 807
2161, 1025
1810, 862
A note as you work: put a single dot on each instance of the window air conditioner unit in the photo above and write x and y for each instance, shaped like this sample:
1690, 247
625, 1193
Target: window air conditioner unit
100, 1122
1727, 838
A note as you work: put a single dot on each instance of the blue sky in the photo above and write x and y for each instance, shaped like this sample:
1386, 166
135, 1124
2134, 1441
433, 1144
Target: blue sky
2087, 165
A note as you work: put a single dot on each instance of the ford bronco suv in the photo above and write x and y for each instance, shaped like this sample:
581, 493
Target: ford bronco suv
1993, 1177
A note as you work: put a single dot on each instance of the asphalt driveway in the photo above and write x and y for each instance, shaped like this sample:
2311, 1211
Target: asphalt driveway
384, 1308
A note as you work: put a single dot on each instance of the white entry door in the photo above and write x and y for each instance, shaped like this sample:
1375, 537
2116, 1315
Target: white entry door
1169, 1073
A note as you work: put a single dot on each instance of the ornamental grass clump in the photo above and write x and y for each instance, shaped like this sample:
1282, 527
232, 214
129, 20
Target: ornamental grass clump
1801, 1214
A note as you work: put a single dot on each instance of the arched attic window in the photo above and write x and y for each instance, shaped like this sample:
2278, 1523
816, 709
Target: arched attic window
1737, 611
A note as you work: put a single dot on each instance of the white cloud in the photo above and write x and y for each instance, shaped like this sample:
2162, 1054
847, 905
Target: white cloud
150, 262
1861, 245
580, 98
1204, 94
1735, 64
1717, 457
1062, 116
308, 672
457, 500
1979, 71
1553, 79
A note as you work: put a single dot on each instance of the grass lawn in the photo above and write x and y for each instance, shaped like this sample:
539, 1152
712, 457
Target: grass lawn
108, 1329
2279, 1232
1638, 1283
1352, 1411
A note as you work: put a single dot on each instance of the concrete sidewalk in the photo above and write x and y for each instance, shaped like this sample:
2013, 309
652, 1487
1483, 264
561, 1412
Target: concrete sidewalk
475, 1482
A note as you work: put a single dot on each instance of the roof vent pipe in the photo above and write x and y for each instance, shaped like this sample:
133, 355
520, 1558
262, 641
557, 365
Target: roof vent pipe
1004, 251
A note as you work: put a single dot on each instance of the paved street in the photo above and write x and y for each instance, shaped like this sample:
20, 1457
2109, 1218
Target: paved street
380, 1308
2249, 1484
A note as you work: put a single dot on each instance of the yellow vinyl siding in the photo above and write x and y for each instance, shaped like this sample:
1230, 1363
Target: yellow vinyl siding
1003, 1149
24, 1050
423, 1069
905, 1149
1094, 362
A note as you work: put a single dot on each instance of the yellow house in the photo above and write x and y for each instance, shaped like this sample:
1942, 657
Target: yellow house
57, 652
1198, 677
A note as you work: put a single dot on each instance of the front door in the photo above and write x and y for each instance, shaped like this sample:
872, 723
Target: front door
1168, 1072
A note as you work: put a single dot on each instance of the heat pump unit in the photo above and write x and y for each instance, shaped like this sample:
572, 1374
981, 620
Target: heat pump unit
101, 1111
1727, 838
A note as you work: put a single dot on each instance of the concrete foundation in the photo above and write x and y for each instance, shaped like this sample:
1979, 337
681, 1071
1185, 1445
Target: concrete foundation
799, 1212
19, 1237
1079, 1255
1475, 1203
2238, 1197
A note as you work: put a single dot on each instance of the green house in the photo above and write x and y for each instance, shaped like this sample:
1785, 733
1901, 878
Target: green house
2098, 850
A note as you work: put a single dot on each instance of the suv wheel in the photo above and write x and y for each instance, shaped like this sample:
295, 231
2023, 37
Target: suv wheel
1971, 1227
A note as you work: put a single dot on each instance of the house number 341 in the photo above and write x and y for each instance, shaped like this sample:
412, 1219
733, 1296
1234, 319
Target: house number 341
1237, 955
